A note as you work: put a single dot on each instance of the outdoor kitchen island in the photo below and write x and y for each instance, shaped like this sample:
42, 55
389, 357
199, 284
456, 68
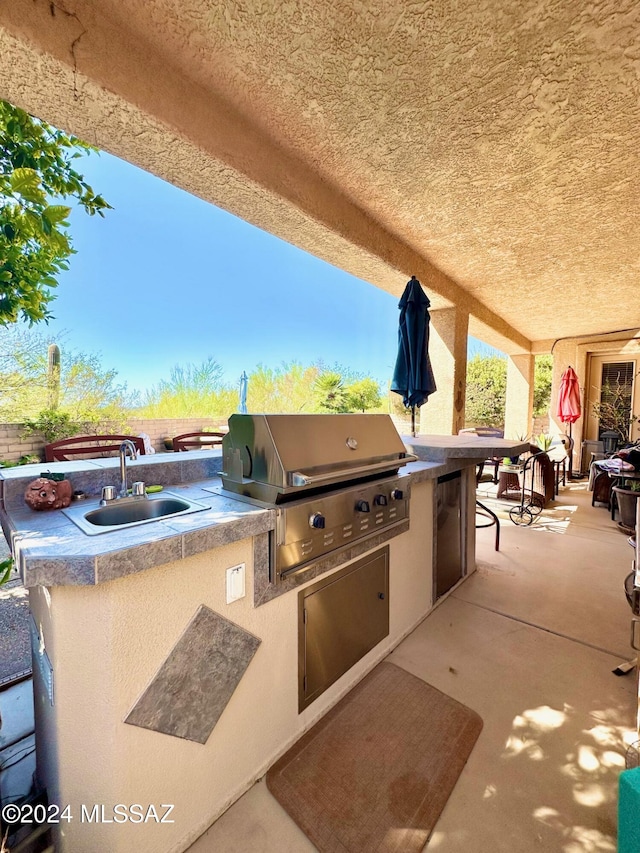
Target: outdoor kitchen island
151, 690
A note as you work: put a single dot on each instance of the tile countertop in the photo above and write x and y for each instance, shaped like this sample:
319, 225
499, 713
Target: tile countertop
51, 550
438, 448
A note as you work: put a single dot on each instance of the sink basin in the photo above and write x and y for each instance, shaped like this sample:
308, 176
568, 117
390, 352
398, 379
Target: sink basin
119, 513
127, 512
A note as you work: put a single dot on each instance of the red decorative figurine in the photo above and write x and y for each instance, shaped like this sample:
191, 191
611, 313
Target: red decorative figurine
48, 494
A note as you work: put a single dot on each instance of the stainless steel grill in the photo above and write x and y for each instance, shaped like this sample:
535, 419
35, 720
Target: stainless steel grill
333, 480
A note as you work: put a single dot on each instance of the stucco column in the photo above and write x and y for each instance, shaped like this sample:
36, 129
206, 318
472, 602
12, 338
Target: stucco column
519, 405
443, 413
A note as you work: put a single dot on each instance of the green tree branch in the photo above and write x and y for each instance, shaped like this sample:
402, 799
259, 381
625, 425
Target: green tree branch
36, 172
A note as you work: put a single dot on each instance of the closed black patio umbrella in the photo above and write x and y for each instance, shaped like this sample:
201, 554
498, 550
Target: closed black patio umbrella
413, 376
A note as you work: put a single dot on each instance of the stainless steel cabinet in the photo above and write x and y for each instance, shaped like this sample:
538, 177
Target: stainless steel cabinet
449, 544
341, 618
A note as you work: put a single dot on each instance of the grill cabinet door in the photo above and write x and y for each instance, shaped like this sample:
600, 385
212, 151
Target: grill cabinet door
341, 618
449, 551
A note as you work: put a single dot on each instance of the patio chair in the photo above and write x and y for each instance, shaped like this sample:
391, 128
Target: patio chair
537, 484
601, 492
561, 453
89, 447
544, 480
197, 440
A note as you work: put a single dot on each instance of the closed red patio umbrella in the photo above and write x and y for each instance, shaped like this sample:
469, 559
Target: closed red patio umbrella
569, 408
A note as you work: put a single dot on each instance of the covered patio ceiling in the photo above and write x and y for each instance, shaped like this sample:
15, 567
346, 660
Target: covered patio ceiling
489, 148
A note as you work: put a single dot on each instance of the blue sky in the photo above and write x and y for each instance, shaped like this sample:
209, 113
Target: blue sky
166, 278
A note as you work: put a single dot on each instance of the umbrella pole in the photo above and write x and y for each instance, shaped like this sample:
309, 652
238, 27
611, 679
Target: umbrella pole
413, 421
571, 456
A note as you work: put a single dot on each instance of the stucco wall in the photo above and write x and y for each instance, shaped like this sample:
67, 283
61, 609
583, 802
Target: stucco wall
88, 73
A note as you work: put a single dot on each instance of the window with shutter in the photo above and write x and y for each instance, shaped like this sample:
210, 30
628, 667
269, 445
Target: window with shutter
616, 390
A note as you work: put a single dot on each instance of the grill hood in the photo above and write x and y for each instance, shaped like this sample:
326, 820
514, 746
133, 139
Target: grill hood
274, 458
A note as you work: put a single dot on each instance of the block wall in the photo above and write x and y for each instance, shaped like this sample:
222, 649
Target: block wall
14, 443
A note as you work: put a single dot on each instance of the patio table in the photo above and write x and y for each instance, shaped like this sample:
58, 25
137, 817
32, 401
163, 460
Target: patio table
509, 479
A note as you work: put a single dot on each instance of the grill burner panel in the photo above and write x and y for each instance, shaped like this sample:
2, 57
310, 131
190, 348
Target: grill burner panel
347, 515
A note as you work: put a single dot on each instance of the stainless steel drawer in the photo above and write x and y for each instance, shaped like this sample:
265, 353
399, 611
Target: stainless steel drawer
341, 618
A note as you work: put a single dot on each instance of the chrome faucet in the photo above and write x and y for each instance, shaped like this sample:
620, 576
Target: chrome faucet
126, 445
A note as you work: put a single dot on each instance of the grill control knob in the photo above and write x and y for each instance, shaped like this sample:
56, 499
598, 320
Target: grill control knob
397, 494
363, 506
380, 500
317, 521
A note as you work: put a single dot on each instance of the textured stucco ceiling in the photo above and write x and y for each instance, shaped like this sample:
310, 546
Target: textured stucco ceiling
498, 141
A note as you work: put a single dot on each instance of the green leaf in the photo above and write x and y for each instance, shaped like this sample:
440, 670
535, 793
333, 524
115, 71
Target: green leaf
56, 213
25, 182
60, 243
5, 570
34, 221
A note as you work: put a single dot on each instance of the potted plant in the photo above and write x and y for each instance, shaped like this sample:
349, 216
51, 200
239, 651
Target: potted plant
543, 441
627, 496
614, 410
513, 460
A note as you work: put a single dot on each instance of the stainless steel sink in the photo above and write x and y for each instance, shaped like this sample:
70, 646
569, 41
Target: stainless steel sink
128, 512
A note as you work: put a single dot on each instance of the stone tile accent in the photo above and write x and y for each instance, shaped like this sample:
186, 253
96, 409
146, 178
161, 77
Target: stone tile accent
198, 466
206, 538
117, 564
75, 571
261, 569
195, 683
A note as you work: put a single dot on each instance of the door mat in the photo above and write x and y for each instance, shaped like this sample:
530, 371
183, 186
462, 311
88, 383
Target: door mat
375, 773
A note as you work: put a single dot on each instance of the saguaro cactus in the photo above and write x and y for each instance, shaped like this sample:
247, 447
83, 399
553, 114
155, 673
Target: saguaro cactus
53, 376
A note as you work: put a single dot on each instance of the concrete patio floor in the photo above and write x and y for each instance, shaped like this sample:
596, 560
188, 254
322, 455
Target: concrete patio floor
529, 642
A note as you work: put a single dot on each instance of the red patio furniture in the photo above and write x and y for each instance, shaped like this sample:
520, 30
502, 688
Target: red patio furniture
197, 440
89, 447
